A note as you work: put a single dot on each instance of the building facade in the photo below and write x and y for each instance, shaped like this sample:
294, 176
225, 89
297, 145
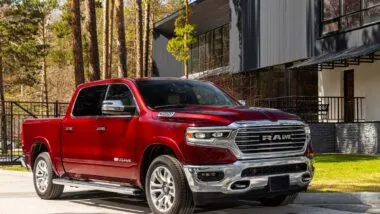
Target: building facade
317, 58
245, 46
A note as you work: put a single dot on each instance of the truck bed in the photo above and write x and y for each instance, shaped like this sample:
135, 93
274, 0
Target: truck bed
46, 131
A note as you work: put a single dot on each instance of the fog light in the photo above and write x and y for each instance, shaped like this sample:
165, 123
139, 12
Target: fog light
210, 176
239, 185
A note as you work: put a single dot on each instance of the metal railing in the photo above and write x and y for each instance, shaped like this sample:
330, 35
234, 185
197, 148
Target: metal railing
15, 113
318, 109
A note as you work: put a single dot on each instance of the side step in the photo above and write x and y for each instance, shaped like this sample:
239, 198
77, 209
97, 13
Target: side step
98, 186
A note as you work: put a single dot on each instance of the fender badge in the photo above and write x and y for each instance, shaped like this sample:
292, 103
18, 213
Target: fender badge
122, 160
166, 114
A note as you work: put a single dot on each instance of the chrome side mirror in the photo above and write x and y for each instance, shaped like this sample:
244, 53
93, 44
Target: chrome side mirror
116, 107
243, 102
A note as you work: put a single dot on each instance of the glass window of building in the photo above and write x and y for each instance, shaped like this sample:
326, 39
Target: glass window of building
343, 15
211, 50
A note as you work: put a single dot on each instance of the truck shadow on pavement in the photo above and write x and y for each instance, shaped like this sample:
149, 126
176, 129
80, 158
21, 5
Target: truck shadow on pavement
129, 204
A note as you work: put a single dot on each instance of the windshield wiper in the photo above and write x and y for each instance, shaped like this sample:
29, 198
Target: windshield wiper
171, 106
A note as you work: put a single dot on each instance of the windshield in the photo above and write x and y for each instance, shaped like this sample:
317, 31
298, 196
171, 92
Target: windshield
181, 93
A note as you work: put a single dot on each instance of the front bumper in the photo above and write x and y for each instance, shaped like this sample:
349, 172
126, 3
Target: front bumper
233, 174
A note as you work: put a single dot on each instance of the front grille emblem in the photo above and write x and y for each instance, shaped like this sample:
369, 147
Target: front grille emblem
276, 137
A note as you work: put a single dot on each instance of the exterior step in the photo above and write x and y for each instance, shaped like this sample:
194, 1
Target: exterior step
99, 186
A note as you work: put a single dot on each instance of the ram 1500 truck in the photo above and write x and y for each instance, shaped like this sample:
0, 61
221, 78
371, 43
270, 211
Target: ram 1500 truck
181, 143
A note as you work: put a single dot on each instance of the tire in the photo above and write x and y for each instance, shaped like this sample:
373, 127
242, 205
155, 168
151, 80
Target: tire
43, 174
281, 200
172, 189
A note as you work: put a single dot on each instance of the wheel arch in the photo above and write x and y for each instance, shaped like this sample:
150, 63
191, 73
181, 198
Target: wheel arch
40, 145
161, 147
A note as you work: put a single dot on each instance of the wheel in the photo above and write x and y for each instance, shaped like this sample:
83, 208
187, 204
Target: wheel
281, 200
166, 187
43, 175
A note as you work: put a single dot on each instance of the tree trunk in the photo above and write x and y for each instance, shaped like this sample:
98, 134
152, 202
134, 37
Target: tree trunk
3, 116
186, 63
111, 21
93, 49
139, 42
121, 44
44, 87
151, 45
77, 42
105, 38
146, 38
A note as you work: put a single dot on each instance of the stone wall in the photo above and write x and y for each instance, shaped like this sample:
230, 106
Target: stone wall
347, 138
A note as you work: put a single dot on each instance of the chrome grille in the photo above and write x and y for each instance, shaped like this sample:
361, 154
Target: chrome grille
271, 139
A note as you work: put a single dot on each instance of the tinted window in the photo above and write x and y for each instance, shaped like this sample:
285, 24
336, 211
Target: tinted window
174, 93
120, 92
89, 101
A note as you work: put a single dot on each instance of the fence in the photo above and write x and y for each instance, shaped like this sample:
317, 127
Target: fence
15, 113
318, 109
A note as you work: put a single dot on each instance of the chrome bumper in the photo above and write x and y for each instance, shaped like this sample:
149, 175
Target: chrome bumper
232, 174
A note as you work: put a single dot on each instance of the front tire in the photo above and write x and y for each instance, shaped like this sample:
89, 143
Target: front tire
166, 187
281, 200
43, 175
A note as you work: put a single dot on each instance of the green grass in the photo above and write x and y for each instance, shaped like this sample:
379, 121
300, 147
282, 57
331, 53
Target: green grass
14, 168
346, 173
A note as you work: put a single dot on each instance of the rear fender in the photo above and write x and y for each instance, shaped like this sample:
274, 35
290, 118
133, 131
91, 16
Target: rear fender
42, 140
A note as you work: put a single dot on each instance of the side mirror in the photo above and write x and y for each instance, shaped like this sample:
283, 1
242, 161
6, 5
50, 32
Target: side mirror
116, 107
243, 102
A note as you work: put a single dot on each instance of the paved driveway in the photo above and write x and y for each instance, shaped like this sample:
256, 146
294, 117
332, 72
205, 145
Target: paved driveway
17, 196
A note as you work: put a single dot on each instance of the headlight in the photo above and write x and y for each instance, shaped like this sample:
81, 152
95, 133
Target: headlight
206, 135
308, 133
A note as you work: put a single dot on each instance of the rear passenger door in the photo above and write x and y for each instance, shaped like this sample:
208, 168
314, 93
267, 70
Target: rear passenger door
81, 137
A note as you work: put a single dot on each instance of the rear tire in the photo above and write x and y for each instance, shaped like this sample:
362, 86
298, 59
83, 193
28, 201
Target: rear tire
166, 187
281, 200
43, 175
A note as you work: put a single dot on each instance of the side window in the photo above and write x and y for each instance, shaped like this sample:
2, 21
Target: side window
89, 101
121, 92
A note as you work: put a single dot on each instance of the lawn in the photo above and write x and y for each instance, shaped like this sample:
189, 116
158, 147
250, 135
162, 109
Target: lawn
346, 173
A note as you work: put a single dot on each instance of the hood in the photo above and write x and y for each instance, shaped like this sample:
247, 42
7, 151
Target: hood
223, 115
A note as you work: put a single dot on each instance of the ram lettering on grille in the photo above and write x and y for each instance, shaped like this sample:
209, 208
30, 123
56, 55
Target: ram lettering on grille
271, 139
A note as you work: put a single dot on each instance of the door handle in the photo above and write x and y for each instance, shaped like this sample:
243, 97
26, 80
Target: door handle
68, 129
101, 129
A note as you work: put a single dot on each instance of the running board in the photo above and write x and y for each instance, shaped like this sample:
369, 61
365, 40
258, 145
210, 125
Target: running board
98, 186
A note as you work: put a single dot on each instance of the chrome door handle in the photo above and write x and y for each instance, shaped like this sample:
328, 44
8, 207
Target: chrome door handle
101, 129
68, 129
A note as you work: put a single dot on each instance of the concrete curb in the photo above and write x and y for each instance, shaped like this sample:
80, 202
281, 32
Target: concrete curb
369, 198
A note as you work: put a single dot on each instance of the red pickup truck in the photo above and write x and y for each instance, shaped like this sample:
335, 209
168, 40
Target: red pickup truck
181, 143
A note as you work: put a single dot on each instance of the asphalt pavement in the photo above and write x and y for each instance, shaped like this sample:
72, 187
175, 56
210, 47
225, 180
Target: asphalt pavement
17, 196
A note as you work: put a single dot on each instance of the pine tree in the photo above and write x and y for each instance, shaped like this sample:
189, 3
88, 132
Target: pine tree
19, 48
179, 46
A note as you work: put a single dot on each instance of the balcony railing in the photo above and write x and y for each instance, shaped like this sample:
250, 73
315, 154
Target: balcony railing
318, 109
